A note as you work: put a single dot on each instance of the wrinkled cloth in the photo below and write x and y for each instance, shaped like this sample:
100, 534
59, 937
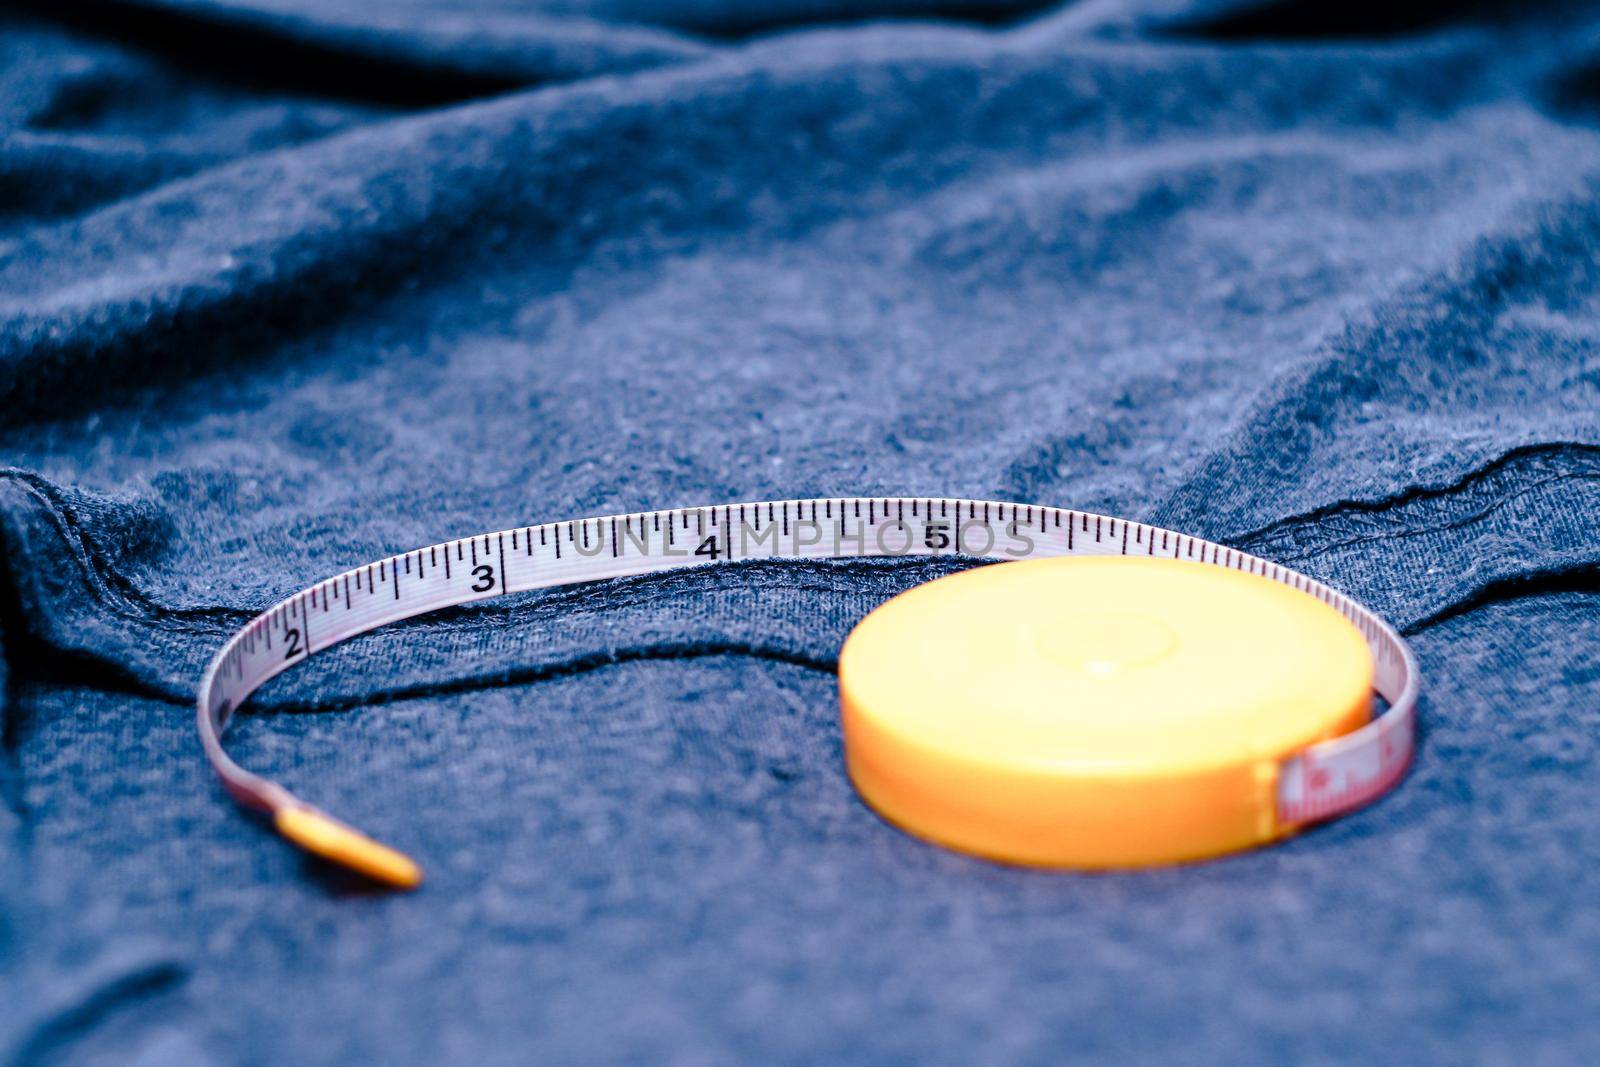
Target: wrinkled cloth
287, 286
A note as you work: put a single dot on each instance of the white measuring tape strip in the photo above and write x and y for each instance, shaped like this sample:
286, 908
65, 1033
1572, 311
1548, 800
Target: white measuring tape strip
1321, 781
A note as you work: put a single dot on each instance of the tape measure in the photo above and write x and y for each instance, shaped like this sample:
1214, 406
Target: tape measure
1119, 695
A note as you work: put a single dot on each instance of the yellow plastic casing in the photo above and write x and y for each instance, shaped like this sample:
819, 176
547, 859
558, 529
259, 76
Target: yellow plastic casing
1094, 712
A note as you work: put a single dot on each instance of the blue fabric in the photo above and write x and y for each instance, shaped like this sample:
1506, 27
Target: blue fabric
287, 285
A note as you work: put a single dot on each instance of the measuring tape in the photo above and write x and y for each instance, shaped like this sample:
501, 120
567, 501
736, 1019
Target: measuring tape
1317, 782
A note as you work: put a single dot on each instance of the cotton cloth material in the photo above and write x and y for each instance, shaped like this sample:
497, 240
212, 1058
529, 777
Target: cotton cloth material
287, 286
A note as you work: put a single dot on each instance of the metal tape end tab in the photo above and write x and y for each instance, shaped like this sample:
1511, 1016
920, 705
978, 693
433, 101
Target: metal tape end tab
334, 841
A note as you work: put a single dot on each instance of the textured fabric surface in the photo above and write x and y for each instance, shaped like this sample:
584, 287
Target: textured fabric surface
286, 286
